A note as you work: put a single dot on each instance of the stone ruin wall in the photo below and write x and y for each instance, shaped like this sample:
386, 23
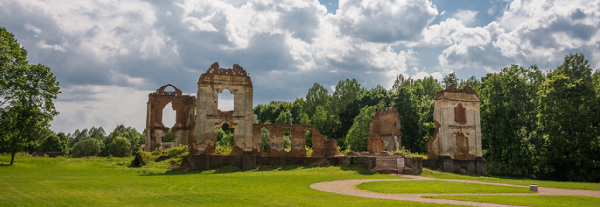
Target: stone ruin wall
458, 127
385, 132
197, 120
209, 118
184, 107
321, 146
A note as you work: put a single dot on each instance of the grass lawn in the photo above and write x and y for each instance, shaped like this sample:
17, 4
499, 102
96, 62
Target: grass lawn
549, 201
436, 187
38, 181
515, 181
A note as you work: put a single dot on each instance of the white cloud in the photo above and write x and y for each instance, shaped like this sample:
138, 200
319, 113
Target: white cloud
467, 17
492, 10
384, 21
30, 27
42, 44
106, 106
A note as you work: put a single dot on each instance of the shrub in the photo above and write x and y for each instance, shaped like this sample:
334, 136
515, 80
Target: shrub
88, 147
120, 147
53, 143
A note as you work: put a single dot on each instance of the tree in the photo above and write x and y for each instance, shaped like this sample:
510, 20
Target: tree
26, 93
120, 147
317, 96
508, 120
450, 79
88, 147
55, 143
359, 133
569, 119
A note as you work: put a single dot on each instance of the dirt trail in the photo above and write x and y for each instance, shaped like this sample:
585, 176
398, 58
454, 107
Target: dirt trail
348, 187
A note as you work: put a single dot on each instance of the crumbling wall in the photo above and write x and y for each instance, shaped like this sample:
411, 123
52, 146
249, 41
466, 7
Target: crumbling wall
375, 144
209, 118
458, 127
184, 117
385, 131
321, 146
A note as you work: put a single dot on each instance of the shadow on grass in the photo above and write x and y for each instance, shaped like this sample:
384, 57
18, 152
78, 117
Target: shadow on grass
224, 169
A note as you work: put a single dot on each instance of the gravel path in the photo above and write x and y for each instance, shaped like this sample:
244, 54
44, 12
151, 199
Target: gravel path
348, 187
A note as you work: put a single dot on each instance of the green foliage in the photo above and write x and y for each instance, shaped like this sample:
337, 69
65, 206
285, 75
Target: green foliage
26, 97
88, 147
359, 133
264, 137
55, 143
225, 139
415, 101
436, 187
509, 123
569, 118
169, 137
317, 96
285, 118
120, 147
450, 79
406, 153
309, 151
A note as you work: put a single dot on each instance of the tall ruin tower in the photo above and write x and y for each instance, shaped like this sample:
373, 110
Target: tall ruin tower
209, 118
456, 144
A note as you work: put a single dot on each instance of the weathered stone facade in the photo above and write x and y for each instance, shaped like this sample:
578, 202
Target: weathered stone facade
184, 107
458, 132
197, 122
385, 132
209, 118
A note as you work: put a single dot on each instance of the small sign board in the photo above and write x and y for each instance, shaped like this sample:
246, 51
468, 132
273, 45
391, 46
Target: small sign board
400, 162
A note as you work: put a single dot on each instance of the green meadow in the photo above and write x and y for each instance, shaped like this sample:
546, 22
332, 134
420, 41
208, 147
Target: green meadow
38, 181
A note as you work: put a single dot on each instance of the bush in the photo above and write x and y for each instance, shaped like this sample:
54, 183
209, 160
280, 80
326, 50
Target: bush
88, 147
120, 147
53, 143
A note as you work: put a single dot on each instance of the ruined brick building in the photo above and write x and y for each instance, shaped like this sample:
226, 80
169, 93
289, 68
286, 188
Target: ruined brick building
385, 132
456, 144
199, 119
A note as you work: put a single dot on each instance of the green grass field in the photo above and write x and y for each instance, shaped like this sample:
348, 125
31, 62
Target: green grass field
109, 182
548, 201
437, 187
514, 181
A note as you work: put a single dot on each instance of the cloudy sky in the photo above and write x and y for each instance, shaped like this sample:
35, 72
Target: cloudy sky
109, 54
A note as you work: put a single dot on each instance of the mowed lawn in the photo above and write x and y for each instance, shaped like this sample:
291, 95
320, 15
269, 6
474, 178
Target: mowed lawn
513, 181
437, 187
42, 181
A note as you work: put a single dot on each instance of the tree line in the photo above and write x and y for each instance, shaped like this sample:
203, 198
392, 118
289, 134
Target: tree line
535, 124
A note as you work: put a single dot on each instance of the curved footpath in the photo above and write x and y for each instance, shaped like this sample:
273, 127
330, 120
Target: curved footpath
348, 187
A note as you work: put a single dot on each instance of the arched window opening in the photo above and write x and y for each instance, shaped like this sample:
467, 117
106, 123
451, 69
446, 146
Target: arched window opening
225, 102
169, 89
168, 116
